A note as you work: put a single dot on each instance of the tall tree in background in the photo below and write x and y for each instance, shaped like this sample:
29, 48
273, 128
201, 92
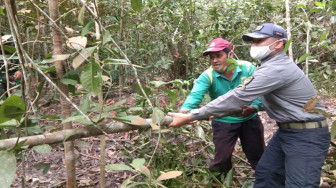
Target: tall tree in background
57, 44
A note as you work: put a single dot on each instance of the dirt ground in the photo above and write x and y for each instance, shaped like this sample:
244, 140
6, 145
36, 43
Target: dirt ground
87, 168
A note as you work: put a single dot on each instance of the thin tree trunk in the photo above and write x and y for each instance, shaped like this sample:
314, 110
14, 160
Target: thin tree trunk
289, 28
68, 146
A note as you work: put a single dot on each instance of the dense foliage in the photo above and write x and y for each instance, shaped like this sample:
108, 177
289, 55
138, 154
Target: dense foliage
113, 47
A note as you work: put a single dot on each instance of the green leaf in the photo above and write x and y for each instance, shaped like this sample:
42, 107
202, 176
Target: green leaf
87, 27
44, 166
91, 78
157, 115
171, 94
147, 90
114, 106
106, 37
324, 34
118, 167
158, 83
133, 120
200, 132
8, 168
319, 4
138, 163
85, 103
316, 10
69, 81
137, 5
10, 123
81, 15
43, 149
12, 108
333, 130
79, 118
303, 57
228, 178
287, 45
51, 117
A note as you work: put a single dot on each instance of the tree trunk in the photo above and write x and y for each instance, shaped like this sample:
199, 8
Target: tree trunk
289, 28
68, 146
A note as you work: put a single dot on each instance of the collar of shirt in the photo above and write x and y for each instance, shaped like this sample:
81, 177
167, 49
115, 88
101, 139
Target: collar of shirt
274, 57
237, 71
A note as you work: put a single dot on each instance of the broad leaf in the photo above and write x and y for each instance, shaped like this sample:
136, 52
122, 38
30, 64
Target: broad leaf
118, 167
79, 118
200, 132
69, 81
324, 34
158, 83
287, 45
333, 130
228, 178
91, 78
10, 123
311, 103
43, 149
137, 5
169, 175
303, 57
106, 37
145, 170
87, 27
4, 38
133, 120
83, 55
55, 58
147, 90
44, 166
8, 168
137, 163
77, 43
12, 108
157, 115
81, 15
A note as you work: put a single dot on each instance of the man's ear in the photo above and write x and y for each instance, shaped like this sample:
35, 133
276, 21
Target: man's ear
280, 44
231, 54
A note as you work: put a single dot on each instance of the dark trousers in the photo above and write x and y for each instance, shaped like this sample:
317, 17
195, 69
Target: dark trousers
225, 135
293, 159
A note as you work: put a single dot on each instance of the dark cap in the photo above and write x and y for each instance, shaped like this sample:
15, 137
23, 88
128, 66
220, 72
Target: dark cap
266, 30
217, 45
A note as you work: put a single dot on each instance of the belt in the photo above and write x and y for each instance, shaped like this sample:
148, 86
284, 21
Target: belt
303, 125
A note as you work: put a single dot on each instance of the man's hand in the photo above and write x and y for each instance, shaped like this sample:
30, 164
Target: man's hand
248, 110
17, 75
179, 119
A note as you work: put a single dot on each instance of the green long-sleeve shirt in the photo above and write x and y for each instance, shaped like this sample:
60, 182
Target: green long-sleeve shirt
217, 85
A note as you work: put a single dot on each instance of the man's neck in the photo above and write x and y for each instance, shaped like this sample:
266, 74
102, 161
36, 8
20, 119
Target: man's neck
229, 74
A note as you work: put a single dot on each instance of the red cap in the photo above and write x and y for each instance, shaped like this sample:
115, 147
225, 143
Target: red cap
217, 45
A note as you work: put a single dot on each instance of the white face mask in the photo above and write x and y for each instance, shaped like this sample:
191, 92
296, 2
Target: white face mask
261, 52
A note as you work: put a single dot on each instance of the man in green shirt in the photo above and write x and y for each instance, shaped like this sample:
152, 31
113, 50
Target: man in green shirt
217, 81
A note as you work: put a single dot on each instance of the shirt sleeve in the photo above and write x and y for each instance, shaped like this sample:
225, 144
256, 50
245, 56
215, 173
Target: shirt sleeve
200, 88
257, 104
265, 80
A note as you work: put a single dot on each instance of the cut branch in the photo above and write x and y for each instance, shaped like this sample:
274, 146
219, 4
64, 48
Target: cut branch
87, 131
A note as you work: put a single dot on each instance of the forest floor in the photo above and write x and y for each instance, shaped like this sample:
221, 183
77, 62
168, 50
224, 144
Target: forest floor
87, 151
